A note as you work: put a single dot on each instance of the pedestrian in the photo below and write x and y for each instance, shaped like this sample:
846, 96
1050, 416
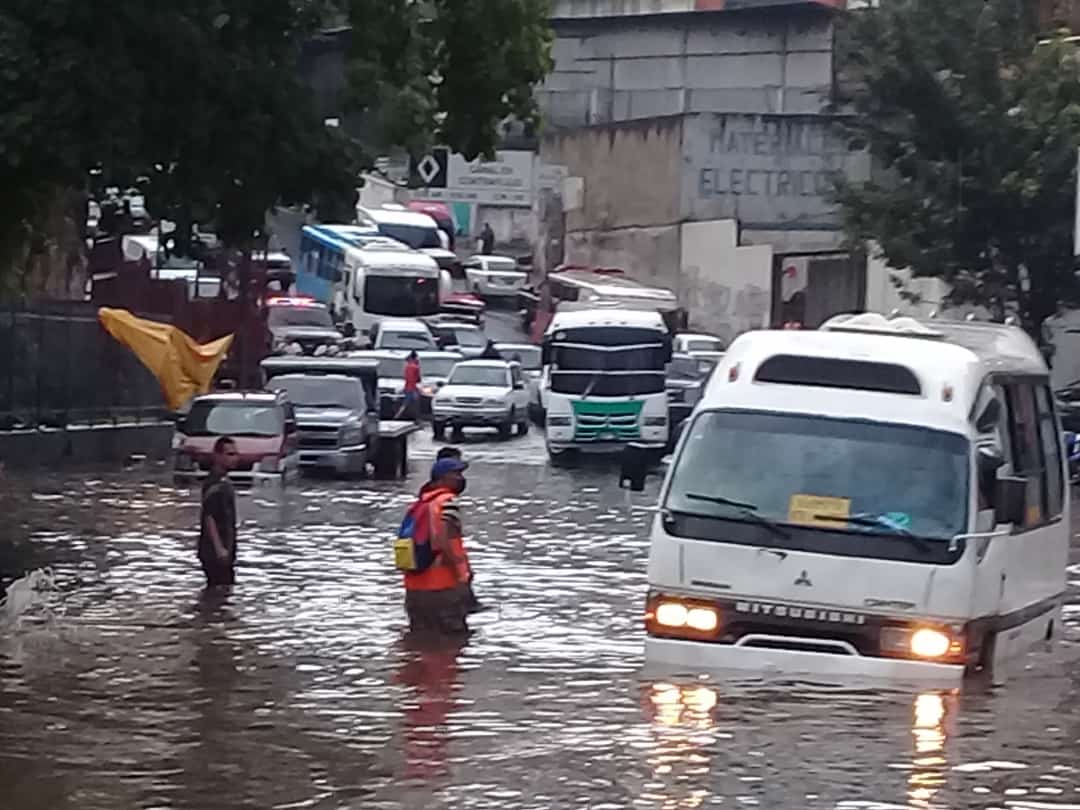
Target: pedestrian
487, 240
411, 398
474, 605
217, 522
490, 352
436, 579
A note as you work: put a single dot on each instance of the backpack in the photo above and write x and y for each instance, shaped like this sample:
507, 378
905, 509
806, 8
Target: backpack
413, 552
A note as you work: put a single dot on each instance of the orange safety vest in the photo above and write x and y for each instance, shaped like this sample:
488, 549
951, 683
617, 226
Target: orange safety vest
441, 576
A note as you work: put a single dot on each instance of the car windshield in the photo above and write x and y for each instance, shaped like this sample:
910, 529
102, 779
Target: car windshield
322, 392
417, 237
826, 474
393, 339
472, 338
234, 419
437, 366
401, 296
480, 375
704, 345
299, 316
528, 356
392, 368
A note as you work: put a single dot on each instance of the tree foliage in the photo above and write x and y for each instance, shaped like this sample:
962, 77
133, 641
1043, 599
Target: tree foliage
206, 98
446, 70
974, 127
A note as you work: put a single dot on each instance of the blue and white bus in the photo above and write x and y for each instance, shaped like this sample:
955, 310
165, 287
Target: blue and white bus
364, 276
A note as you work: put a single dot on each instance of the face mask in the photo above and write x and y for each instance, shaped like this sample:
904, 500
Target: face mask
460, 487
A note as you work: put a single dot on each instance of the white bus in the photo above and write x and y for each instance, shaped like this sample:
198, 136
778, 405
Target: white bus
603, 380
875, 499
572, 288
363, 276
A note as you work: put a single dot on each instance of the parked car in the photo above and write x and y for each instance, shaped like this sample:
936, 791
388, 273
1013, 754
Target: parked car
435, 368
698, 345
404, 334
494, 276
482, 393
466, 339
531, 359
298, 325
335, 403
464, 306
263, 425
686, 379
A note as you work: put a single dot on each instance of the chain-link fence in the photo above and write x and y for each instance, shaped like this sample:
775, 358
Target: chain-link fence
58, 367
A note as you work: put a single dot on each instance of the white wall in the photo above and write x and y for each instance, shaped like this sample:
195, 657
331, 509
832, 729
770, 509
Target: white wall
728, 286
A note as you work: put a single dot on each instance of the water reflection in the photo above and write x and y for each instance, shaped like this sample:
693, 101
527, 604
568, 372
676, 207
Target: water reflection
929, 765
430, 672
683, 736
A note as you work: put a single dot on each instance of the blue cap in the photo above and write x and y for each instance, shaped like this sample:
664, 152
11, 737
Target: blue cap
445, 466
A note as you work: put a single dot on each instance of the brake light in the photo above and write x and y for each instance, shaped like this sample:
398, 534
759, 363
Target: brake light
293, 301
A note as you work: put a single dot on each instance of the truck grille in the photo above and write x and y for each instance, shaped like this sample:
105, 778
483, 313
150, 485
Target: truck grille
318, 437
615, 421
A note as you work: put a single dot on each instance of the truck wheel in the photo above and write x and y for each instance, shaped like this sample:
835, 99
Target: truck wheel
438, 430
523, 427
559, 458
506, 429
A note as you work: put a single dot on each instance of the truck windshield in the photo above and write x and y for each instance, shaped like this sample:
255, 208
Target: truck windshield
401, 296
607, 370
856, 477
322, 392
234, 419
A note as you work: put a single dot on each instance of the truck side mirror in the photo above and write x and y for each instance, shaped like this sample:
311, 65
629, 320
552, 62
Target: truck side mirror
634, 467
1010, 504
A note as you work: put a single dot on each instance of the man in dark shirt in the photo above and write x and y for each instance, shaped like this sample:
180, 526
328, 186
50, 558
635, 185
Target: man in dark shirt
217, 522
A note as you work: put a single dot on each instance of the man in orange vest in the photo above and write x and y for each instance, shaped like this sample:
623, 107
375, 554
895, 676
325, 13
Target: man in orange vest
437, 597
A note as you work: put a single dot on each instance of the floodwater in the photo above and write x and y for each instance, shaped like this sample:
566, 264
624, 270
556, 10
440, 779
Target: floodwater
120, 688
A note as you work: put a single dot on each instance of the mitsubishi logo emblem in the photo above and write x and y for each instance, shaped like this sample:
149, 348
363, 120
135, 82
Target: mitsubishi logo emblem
428, 169
803, 579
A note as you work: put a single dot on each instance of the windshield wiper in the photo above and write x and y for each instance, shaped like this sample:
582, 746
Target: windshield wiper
748, 510
878, 522
592, 384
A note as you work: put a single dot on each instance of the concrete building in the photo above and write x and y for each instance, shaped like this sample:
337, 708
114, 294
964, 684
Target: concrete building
699, 153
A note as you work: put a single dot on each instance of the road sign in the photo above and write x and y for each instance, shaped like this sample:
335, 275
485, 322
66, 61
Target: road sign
429, 171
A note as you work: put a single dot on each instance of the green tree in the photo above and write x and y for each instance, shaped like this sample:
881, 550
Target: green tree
973, 126
206, 99
446, 71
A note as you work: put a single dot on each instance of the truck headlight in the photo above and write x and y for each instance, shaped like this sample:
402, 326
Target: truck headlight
559, 421
494, 402
352, 435
655, 421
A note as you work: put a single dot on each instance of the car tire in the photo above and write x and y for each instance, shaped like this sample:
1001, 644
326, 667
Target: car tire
438, 430
523, 427
506, 429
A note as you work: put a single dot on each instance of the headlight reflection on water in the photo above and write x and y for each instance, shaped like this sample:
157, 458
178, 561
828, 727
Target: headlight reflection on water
929, 764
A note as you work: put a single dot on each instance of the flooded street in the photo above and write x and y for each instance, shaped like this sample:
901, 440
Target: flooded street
120, 688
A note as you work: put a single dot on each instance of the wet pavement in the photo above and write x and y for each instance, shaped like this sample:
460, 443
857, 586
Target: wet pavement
120, 688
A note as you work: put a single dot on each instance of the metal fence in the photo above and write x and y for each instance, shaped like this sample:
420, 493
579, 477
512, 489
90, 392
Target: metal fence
58, 367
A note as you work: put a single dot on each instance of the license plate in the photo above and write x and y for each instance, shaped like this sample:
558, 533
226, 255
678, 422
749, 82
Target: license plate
607, 434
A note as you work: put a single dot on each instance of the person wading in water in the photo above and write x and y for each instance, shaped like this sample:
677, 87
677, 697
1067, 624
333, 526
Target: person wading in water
217, 522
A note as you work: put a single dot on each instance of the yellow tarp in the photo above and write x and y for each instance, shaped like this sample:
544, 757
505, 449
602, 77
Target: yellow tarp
183, 367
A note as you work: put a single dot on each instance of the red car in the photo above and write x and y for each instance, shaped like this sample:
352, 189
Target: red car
263, 425
464, 306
